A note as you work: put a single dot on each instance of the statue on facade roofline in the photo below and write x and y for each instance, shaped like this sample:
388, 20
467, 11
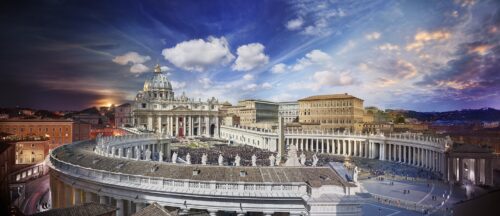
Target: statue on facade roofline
272, 160
148, 154
174, 157
204, 159
303, 159
160, 156
221, 160
188, 158
237, 160
315, 160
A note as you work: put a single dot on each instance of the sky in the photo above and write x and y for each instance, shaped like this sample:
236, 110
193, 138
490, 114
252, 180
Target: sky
418, 55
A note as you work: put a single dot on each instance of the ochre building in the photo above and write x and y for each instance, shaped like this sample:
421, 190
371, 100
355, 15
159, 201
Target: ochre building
331, 112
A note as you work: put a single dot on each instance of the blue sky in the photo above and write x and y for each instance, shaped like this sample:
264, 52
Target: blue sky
420, 55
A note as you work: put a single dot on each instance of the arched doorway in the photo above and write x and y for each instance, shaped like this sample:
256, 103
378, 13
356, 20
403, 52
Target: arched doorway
212, 130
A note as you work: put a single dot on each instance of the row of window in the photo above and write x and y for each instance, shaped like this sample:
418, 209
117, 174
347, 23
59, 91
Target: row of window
327, 104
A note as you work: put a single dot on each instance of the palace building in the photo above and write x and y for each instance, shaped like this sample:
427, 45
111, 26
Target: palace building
331, 112
157, 109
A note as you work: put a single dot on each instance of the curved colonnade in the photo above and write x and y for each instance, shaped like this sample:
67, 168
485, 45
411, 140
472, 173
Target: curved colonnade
411, 149
116, 171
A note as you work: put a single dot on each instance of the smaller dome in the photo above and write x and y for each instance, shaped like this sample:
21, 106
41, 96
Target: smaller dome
158, 81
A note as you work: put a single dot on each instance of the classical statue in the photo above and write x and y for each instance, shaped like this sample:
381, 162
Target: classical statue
174, 157
160, 156
303, 159
315, 160
137, 153
254, 160
221, 160
292, 159
272, 159
237, 160
355, 174
148, 154
278, 160
204, 159
188, 158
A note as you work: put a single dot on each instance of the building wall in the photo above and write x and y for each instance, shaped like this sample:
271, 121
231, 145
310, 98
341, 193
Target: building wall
331, 112
81, 131
7, 158
289, 111
123, 115
31, 152
58, 132
255, 112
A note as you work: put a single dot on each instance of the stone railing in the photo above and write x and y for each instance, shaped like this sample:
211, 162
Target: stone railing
251, 129
216, 188
406, 204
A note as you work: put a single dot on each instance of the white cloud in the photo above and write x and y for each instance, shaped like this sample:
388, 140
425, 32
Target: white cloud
134, 59
199, 55
278, 68
248, 77
325, 78
178, 85
373, 36
388, 47
267, 85
206, 82
250, 56
139, 68
250, 87
295, 24
164, 68
317, 57
422, 38
320, 28
131, 57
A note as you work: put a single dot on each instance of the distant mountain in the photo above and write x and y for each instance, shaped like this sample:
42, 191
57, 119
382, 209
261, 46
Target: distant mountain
484, 114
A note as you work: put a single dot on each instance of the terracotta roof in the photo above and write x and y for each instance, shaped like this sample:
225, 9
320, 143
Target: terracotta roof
329, 97
36, 120
154, 209
86, 209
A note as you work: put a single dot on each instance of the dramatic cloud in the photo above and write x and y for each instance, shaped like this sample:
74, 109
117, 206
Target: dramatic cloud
250, 56
315, 57
423, 38
131, 57
205, 82
373, 36
278, 68
139, 68
324, 78
295, 24
199, 55
134, 59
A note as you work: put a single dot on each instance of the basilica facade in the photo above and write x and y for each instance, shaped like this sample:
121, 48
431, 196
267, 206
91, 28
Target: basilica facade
156, 108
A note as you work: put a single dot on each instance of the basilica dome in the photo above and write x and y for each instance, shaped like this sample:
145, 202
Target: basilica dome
158, 82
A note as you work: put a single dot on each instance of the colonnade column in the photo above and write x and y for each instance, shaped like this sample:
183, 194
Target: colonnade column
88, 196
102, 199
191, 125
460, 169
207, 126
77, 196
119, 207
488, 171
344, 147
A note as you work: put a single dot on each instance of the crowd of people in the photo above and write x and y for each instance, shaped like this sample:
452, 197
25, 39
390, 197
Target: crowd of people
228, 152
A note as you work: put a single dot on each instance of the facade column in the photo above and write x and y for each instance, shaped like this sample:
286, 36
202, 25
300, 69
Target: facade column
103, 199
404, 154
488, 171
344, 147
477, 171
176, 128
191, 125
68, 195
150, 123
355, 148
171, 126
120, 207
361, 148
399, 153
77, 196
184, 125
88, 196
139, 206
158, 122
460, 170
212, 212
207, 126
61, 201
